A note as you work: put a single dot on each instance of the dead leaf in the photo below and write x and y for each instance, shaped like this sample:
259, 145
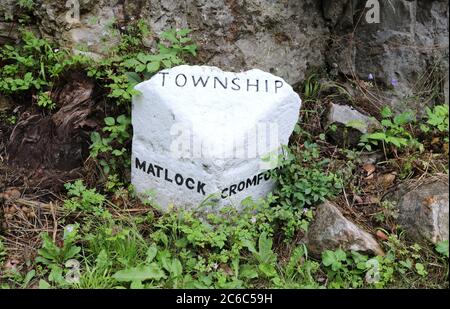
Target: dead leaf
227, 269
381, 235
117, 200
372, 199
369, 168
369, 177
358, 199
387, 179
435, 140
11, 193
429, 201
12, 264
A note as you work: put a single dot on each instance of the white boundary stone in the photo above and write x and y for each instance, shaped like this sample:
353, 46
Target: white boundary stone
217, 121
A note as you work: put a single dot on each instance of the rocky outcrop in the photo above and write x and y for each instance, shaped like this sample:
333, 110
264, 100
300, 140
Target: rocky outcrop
406, 53
424, 209
284, 38
349, 125
330, 230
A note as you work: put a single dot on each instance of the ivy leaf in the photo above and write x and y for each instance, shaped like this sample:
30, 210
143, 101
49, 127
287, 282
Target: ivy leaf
184, 31
133, 78
377, 136
192, 49
421, 269
167, 63
110, 121
123, 119
170, 36
153, 67
340, 255
386, 112
185, 40
330, 258
404, 118
355, 124
143, 57
140, 68
442, 248
44, 285
131, 63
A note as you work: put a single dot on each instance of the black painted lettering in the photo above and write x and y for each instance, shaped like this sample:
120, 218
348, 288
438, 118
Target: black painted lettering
280, 83
241, 186
158, 170
140, 165
166, 176
224, 85
232, 189
201, 188
267, 85
251, 182
190, 183
253, 85
235, 85
266, 176
223, 193
150, 169
179, 179
185, 80
260, 177
164, 77
200, 80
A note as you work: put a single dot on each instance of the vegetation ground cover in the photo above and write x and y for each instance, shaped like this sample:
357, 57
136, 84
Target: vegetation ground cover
95, 232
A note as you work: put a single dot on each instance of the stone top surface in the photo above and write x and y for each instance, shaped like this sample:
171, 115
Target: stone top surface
221, 105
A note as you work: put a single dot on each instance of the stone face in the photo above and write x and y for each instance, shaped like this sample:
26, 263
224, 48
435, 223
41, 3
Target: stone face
200, 132
330, 230
287, 38
350, 124
284, 38
423, 211
409, 43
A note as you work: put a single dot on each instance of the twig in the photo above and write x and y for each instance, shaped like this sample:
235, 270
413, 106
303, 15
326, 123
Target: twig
55, 222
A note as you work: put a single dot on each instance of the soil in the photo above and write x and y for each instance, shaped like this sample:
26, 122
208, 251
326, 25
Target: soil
46, 150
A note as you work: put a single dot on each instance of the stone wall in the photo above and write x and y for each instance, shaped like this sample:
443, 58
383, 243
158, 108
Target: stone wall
407, 52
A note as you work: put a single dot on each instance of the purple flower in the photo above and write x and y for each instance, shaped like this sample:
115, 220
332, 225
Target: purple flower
394, 82
370, 77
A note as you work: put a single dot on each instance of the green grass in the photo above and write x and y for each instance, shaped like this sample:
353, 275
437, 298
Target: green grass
227, 250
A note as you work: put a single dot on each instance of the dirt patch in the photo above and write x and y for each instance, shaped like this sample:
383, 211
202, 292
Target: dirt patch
48, 150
